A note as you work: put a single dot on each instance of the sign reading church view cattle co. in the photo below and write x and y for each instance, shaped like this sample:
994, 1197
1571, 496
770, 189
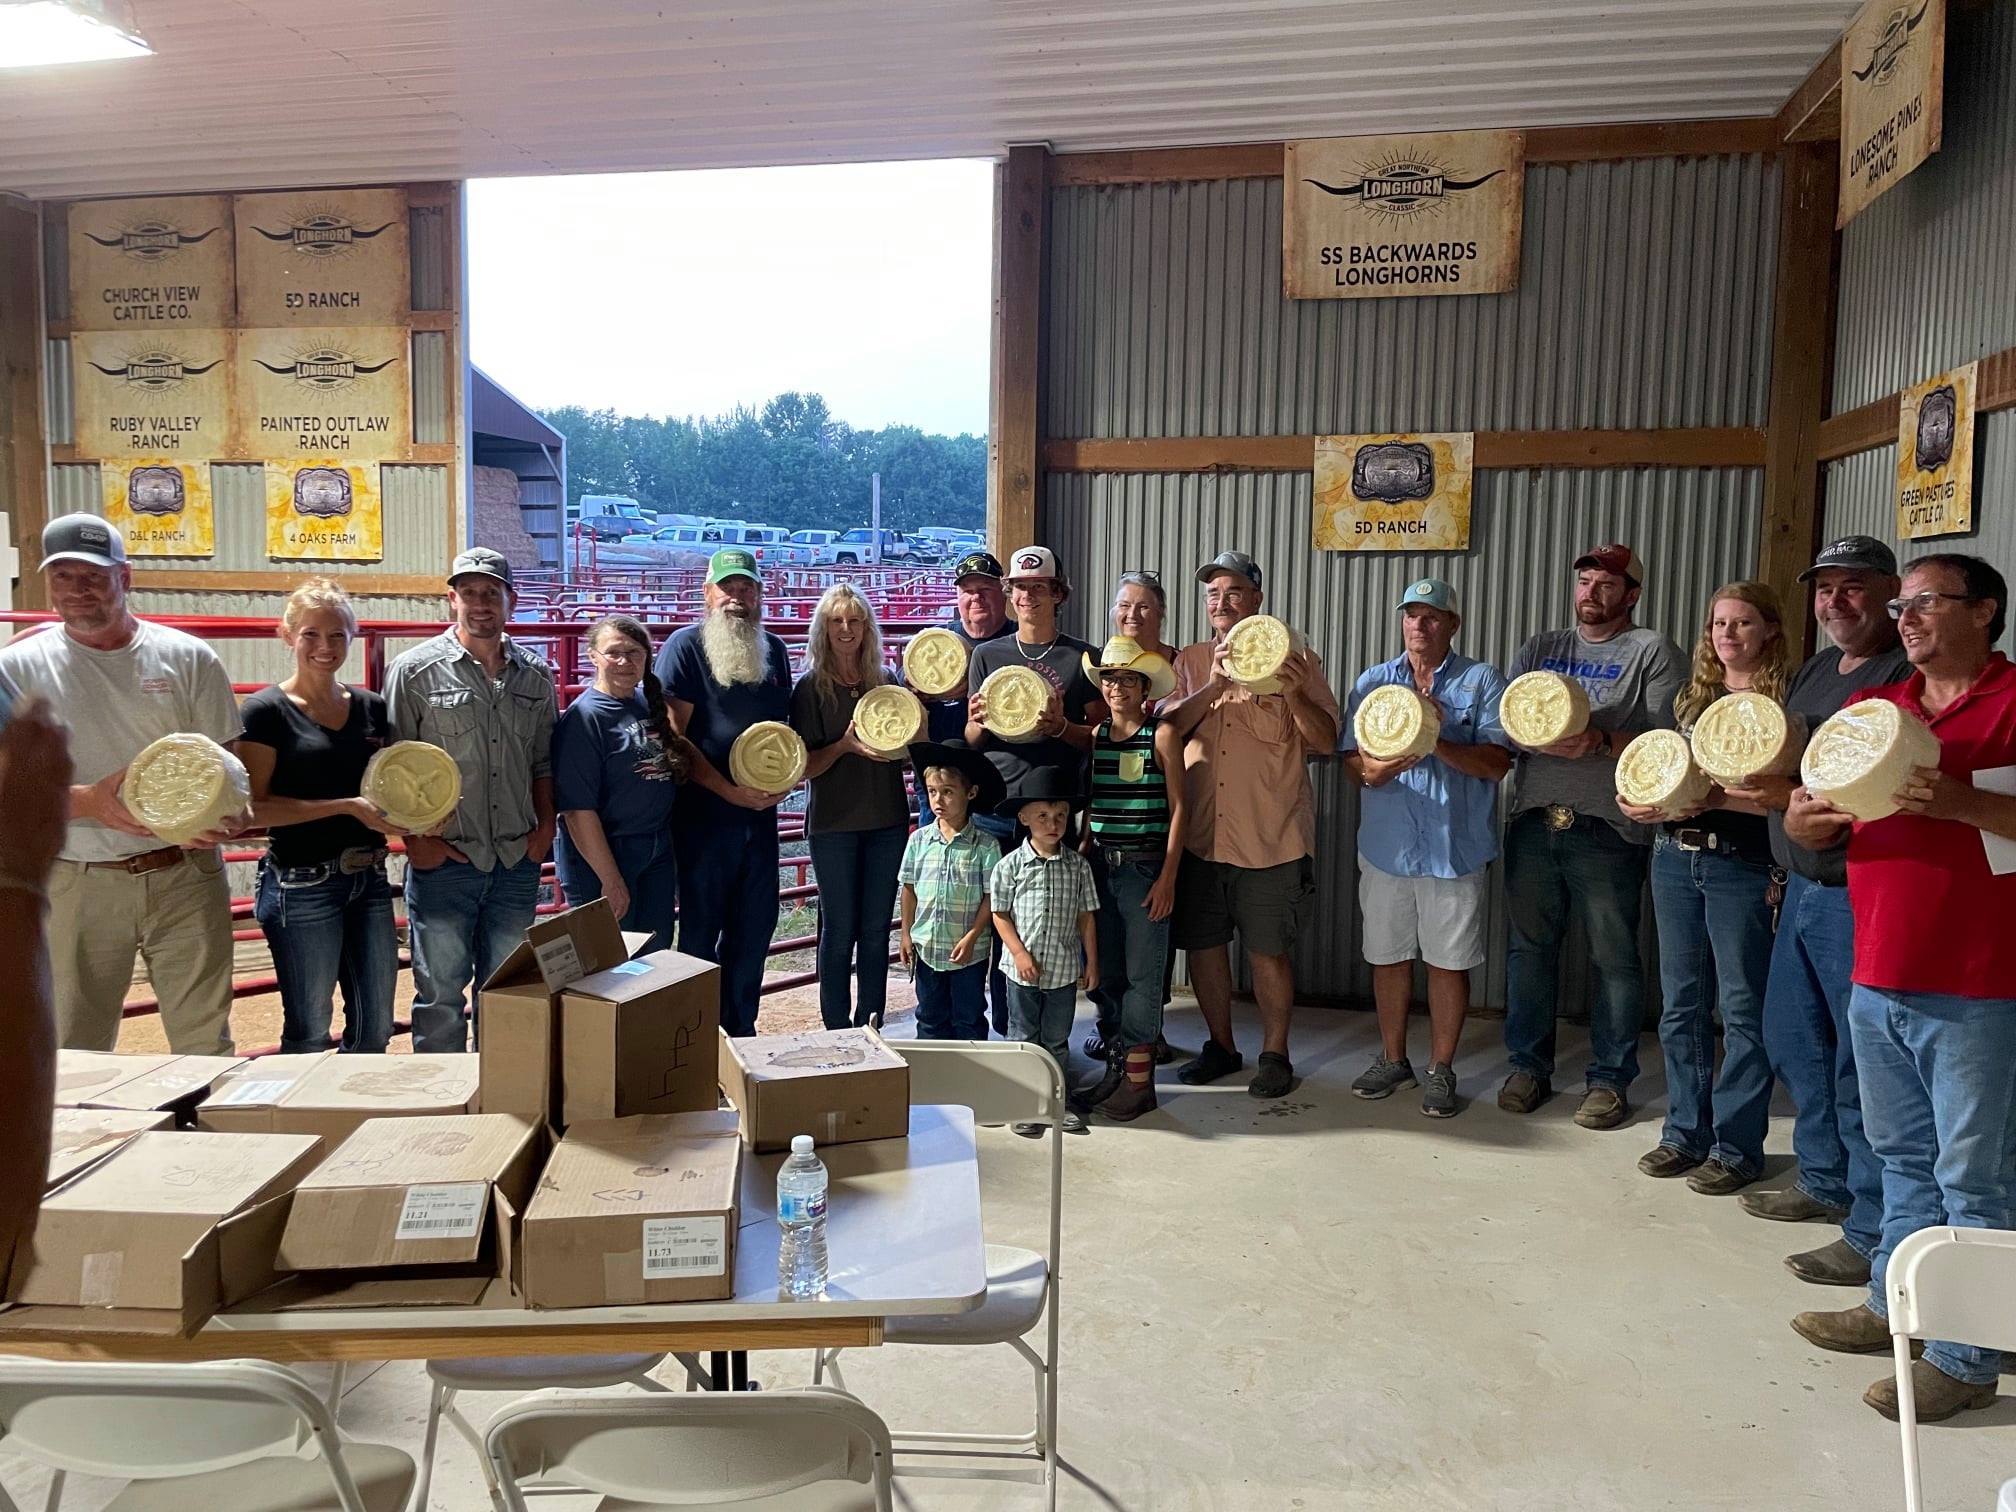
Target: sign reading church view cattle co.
160, 504
160, 393
1393, 216
326, 257
141, 263
1935, 456
1893, 65
1393, 493
343, 391
323, 509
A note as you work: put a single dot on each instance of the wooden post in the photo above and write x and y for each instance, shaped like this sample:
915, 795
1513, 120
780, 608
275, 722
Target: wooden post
1802, 363
24, 472
1013, 465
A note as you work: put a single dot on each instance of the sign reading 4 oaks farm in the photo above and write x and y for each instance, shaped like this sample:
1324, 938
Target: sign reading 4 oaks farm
1394, 216
1893, 68
141, 263
324, 258
323, 509
343, 392
1935, 456
1393, 493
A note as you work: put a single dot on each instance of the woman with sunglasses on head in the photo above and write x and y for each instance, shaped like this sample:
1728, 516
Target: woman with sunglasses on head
617, 765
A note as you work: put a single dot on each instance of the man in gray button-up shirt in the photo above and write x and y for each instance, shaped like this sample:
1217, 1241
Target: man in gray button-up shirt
488, 702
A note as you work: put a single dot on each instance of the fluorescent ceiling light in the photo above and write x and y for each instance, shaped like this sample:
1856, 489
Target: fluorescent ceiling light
35, 33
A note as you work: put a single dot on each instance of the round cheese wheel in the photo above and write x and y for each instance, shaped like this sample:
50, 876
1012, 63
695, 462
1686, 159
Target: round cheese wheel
888, 719
183, 785
1860, 757
768, 756
1395, 722
1743, 735
934, 663
1255, 649
1540, 708
1016, 697
1657, 771
413, 784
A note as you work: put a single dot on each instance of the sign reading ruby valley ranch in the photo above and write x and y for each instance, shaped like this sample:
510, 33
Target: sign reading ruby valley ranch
1893, 67
1935, 456
1394, 216
1403, 492
152, 393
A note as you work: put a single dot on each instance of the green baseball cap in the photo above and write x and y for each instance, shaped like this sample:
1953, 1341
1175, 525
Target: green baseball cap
733, 561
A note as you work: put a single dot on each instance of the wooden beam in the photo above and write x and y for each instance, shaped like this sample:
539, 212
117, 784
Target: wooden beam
1813, 113
24, 456
1875, 424
1013, 460
1725, 446
207, 580
1802, 364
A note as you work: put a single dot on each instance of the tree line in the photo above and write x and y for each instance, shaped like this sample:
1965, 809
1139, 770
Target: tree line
789, 463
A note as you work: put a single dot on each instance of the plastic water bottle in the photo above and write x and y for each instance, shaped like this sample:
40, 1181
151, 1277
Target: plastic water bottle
801, 1221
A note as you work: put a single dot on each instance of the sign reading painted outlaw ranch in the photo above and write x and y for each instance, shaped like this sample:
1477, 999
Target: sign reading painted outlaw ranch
159, 393
325, 258
1935, 456
1402, 492
161, 505
340, 391
1393, 216
139, 263
1893, 66
323, 509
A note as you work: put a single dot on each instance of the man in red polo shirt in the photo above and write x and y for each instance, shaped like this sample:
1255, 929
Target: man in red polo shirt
1932, 1013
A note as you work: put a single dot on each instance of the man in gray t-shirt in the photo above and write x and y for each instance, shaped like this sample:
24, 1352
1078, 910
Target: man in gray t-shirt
1568, 846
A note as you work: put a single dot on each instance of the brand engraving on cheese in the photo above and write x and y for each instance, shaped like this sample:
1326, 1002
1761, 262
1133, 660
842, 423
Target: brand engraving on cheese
450, 1210
1657, 771
1016, 698
182, 786
1744, 735
1256, 647
1861, 756
935, 661
1394, 723
889, 718
685, 1247
414, 784
1541, 708
768, 756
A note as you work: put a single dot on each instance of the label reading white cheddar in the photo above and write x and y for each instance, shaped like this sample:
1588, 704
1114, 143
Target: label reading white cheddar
684, 1247
452, 1210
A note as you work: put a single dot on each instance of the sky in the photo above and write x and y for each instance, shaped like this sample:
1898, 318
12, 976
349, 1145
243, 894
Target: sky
690, 293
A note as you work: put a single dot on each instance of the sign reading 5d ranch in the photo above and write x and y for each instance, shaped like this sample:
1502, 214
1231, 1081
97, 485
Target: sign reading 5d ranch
1396, 216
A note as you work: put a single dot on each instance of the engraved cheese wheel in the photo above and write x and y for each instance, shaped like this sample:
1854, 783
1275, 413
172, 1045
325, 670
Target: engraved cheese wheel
1743, 735
1657, 771
1540, 708
183, 785
1255, 649
1395, 722
1016, 698
768, 756
934, 662
888, 719
1860, 757
413, 784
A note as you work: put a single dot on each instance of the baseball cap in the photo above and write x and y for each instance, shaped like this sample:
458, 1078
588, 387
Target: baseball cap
1617, 558
977, 564
1433, 592
82, 538
1857, 553
733, 561
1231, 561
481, 561
1034, 562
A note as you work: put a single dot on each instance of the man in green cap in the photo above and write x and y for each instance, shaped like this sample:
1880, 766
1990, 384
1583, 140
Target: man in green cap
721, 676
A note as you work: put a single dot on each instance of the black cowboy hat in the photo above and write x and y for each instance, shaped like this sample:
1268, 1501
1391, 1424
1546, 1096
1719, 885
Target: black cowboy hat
971, 764
1043, 784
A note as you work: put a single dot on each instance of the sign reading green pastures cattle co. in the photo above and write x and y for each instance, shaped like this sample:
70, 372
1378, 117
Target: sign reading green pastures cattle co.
1395, 216
1893, 65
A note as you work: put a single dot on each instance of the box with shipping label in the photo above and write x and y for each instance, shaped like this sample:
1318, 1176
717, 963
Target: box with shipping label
137, 1083
334, 1094
81, 1137
639, 1038
838, 1085
636, 1210
518, 1011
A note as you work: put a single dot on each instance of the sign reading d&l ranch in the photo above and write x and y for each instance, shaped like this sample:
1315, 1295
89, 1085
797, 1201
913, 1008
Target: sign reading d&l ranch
1396, 216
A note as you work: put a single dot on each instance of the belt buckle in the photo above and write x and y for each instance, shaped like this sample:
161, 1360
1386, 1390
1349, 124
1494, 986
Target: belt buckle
154, 860
1560, 816
1694, 839
358, 859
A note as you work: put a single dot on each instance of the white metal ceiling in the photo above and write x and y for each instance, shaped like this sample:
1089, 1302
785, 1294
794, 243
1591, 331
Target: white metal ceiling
244, 93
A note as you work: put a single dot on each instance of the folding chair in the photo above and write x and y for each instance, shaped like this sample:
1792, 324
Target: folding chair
242, 1435
1946, 1283
755, 1450
1001, 1083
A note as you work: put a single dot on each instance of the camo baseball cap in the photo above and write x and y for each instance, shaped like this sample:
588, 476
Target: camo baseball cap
734, 561
977, 564
82, 538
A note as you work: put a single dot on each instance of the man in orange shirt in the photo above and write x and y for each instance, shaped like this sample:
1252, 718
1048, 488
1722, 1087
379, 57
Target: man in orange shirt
1247, 863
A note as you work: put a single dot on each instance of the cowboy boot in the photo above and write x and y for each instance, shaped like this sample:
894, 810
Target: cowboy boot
1094, 1094
1137, 1094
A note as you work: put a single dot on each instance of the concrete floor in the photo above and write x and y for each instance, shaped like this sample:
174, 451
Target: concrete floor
1324, 1304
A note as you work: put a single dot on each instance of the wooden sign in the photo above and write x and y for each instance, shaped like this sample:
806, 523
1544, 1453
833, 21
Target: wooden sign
323, 258
323, 509
1893, 68
1935, 456
158, 393
138, 263
1395, 216
335, 392
1393, 493
161, 505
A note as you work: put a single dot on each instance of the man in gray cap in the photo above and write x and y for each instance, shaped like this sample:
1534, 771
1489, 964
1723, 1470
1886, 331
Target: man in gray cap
120, 684
471, 888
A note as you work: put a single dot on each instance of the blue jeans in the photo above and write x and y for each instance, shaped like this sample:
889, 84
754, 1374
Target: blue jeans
952, 1004
728, 906
1042, 1016
648, 868
857, 897
1712, 913
329, 928
1807, 1037
463, 923
1939, 1102
1133, 949
1597, 872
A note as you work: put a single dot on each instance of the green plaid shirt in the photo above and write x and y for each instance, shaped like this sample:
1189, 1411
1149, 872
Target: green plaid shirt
950, 878
1045, 897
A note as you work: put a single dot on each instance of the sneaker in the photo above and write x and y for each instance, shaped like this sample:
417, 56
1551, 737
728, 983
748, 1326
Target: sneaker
1836, 1264
1790, 1205
1438, 1094
1667, 1161
1718, 1180
1523, 1092
1935, 1396
1272, 1075
1383, 1078
1602, 1108
1209, 1064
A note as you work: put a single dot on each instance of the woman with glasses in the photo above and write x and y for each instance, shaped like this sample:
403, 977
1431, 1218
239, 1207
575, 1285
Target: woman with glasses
617, 766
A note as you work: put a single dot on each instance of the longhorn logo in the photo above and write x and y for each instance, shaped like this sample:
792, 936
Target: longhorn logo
1392, 472
155, 491
1889, 49
323, 493
154, 371
1404, 185
323, 233
150, 241
326, 369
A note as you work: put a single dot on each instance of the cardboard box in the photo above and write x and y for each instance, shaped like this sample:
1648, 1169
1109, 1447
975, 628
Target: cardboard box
137, 1083
165, 1232
518, 1011
838, 1085
81, 1137
638, 1038
333, 1094
636, 1210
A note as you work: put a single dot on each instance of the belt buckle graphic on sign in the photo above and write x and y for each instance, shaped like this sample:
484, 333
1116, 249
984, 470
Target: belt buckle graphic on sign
323, 492
155, 491
1392, 472
1937, 422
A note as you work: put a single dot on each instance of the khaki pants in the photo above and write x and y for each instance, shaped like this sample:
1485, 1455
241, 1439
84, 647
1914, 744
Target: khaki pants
178, 918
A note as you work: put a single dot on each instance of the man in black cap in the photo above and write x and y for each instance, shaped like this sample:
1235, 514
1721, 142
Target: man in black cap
471, 889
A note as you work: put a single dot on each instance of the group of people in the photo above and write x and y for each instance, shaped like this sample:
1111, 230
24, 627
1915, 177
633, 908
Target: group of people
1160, 804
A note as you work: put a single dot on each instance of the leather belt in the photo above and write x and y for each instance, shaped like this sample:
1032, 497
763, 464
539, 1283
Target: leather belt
1707, 840
360, 858
145, 862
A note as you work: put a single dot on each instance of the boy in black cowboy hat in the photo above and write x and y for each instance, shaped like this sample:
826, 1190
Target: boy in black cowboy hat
947, 923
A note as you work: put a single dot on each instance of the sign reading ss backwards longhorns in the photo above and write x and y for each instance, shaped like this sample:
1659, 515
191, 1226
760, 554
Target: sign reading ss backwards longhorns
1395, 216
1893, 68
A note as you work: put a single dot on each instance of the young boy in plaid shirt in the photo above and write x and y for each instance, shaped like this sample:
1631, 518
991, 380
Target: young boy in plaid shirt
947, 924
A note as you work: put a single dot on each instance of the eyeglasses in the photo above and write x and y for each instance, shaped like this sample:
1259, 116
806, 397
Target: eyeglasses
1143, 575
622, 653
1926, 602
